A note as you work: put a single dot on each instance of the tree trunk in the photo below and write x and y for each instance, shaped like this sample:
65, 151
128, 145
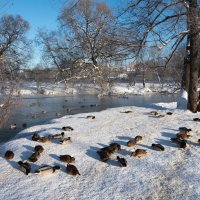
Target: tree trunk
194, 68
186, 68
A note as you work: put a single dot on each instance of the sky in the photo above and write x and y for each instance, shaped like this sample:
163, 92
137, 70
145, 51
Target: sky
39, 14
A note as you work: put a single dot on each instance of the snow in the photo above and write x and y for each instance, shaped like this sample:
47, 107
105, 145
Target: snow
30, 88
172, 174
182, 100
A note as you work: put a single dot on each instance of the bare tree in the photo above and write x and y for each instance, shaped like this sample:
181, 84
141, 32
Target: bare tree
14, 54
89, 35
167, 24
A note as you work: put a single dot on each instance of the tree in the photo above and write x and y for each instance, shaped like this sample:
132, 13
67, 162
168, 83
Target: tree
167, 24
88, 32
14, 54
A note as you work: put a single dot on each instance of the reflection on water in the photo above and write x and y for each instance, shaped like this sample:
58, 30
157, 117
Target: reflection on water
39, 110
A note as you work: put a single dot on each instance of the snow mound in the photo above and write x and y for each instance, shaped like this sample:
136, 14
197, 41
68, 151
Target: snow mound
172, 174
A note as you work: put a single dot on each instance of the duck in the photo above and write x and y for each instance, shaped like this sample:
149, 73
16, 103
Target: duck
9, 155
57, 136
24, 125
131, 143
25, 167
67, 128
108, 149
169, 113
158, 147
104, 155
184, 129
138, 139
39, 148
90, 117
13, 126
47, 170
160, 116
58, 114
66, 141
196, 119
44, 139
122, 161
181, 143
35, 137
72, 170
153, 113
67, 158
34, 157
139, 153
115, 146
183, 136
127, 111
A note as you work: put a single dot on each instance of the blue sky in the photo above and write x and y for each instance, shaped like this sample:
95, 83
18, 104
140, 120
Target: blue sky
39, 13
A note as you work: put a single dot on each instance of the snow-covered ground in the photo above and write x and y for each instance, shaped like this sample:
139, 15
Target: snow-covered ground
172, 174
116, 89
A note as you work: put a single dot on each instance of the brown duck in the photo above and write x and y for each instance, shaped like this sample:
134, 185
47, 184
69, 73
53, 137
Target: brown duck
139, 153
138, 138
104, 155
9, 155
131, 143
44, 140
115, 146
39, 148
72, 170
66, 158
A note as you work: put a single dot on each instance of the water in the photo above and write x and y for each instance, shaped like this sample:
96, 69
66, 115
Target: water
39, 110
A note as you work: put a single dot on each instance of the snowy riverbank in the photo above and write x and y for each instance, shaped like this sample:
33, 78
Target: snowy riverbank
116, 89
172, 174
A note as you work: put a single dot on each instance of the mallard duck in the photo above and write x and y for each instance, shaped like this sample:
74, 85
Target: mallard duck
35, 137
44, 139
138, 139
13, 126
57, 136
46, 170
39, 148
158, 147
139, 153
58, 114
66, 158
93, 105
181, 143
183, 136
9, 155
108, 149
131, 143
184, 129
67, 128
34, 157
122, 161
72, 170
127, 111
104, 155
24, 167
153, 113
24, 125
169, 113
115, 146
90, 117
66, 141
160, 116
196, 119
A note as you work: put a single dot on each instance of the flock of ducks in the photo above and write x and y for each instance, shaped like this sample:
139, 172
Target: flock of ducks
25, 166
103, 153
